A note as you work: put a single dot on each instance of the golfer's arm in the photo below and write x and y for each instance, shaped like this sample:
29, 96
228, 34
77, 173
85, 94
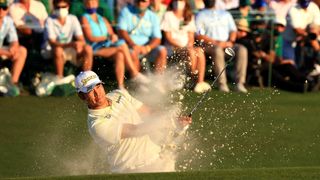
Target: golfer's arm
136, 130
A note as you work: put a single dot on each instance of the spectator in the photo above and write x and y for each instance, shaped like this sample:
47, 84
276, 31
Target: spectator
179, 27
217, 30
64, 39
299, 17
284, 74
140, 27
29, 17
226, 4
105, 43
16, 53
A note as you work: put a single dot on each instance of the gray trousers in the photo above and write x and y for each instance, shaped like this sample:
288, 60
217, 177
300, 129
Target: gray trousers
218, 57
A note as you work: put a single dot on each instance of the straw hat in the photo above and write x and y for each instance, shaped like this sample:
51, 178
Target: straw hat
243, 25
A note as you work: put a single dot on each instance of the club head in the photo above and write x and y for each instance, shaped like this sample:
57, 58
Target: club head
230, 52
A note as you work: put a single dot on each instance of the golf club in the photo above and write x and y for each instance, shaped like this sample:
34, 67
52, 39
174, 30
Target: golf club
230, 52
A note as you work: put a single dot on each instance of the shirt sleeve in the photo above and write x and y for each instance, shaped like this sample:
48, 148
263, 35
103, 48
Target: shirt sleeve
200, 25
16, 14
12, 32
165, 24
106, 129
232, 24
122, 20
294, 18
192, 25
156, 31
77, 27
49, 29
136, 103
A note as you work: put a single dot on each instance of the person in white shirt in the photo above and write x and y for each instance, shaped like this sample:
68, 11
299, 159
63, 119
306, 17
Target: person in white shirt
301, 15
179, 27
29, 17
116, 123
64, 40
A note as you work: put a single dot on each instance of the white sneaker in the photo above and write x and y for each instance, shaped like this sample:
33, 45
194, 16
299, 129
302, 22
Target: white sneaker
240, 88
202, 87
315, 71
224, 88
140, 78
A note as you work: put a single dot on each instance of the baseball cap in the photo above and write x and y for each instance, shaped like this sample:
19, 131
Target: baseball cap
86, 81
3, 3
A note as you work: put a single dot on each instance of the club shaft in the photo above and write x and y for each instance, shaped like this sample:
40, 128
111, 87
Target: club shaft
205, 94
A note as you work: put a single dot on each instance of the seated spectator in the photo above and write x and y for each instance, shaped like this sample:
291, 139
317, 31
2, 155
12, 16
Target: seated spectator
29, 17
179, 27
140, 28
299, 17
226, 4
16, 53
105, 43
284, 74
217, 30
281, 7
64, 39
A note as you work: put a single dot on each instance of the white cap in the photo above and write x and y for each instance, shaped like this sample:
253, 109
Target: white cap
86, 81
282, 21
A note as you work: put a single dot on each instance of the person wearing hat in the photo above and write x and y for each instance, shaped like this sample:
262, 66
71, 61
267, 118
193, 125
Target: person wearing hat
15, 52
119, 123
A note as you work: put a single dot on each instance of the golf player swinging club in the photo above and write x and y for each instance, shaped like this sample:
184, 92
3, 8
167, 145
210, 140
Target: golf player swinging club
122, 126
230, 52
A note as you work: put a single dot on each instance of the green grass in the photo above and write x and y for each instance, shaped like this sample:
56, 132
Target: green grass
266, 133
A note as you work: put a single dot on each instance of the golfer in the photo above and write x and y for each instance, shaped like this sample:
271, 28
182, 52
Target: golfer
115, 121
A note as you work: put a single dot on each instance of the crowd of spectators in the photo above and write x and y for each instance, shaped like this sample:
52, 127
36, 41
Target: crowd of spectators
276, 41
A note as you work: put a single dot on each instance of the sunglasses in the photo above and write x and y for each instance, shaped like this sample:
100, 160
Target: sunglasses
4, 7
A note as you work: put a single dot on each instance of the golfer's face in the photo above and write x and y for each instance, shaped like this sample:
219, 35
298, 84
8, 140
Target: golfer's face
96, 97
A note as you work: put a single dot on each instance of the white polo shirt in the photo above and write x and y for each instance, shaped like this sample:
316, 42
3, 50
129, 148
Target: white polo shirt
105, 126
62, 33
171, 23
300, 18
34, 18
7, 30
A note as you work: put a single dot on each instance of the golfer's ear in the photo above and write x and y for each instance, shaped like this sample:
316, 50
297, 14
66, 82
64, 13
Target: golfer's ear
81, 96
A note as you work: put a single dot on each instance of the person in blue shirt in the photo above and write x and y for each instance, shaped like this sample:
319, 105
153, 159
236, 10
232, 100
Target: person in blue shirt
16, 53
140, 28
216, 30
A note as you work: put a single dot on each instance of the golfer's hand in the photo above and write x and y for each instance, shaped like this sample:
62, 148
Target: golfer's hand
184, 121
